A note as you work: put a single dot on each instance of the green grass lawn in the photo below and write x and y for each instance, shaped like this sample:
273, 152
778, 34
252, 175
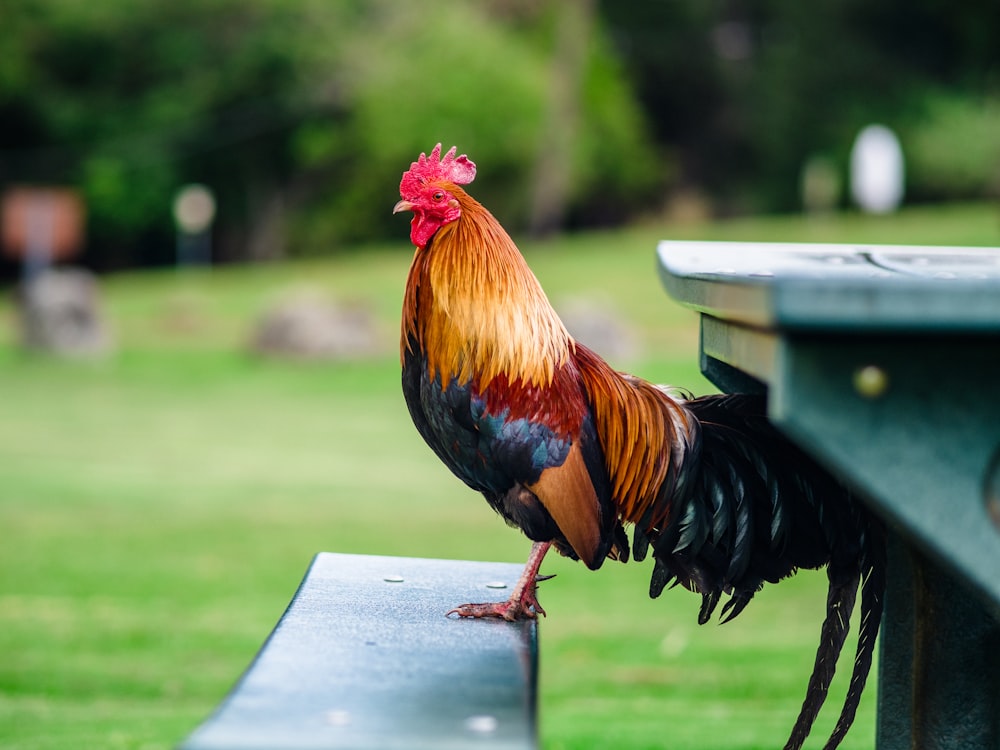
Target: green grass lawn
158, 509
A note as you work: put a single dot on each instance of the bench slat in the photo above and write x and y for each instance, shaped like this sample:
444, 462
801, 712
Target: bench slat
365, 658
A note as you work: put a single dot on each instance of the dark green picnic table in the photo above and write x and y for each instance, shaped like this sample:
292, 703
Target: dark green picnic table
884, 363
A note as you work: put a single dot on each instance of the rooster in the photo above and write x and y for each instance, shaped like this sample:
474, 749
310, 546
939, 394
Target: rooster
575, 453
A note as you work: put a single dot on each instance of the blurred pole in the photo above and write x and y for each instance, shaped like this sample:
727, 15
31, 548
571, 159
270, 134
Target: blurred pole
194, 212
820, 186
39, 234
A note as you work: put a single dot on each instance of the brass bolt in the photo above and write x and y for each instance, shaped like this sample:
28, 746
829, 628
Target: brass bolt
871, 381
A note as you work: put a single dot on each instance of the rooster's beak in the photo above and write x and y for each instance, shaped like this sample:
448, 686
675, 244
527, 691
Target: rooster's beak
402, 206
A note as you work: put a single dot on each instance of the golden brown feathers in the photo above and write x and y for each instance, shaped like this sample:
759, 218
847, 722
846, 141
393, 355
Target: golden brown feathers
473, 305
634, 421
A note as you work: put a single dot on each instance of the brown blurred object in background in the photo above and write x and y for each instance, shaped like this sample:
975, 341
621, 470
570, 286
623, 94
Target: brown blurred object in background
41, 225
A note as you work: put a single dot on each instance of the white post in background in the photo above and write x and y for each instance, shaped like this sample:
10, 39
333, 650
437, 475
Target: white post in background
877, 170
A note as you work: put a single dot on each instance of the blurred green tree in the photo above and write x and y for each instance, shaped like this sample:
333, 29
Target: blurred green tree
477, 77
300, 115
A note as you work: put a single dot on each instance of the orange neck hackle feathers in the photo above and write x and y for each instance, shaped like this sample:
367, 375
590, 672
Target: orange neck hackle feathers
482, 312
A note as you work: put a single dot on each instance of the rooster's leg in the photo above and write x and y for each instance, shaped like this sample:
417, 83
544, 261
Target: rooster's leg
522, 604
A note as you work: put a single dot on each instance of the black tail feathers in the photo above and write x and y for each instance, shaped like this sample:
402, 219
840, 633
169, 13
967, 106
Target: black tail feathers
749, 508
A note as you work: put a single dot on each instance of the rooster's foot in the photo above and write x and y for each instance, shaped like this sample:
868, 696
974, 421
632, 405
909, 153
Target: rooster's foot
523, 604
525, 607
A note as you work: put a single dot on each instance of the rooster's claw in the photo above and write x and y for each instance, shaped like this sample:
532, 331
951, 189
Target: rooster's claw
510, 610
522, 604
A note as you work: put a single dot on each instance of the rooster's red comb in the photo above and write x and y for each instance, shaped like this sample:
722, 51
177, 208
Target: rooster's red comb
458, 169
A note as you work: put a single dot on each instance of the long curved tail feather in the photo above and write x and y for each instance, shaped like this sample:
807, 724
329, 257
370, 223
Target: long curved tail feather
872, 603
839, 607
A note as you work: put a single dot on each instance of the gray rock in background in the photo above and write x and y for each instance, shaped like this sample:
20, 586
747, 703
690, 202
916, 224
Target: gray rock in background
595, 325
310, 326
60, 313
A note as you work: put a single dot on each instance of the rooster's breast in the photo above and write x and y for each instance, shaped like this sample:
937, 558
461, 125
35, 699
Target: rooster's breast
489, 449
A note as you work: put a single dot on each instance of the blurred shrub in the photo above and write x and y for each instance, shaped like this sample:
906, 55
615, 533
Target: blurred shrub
953, 148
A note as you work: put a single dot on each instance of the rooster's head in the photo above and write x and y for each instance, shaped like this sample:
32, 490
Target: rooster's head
427, 189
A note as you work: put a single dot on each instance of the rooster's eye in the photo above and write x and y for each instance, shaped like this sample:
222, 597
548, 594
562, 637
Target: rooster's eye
438, 196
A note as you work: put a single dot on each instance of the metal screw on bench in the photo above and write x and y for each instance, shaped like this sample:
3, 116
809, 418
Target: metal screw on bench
483, 724
871, 381
338, 717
